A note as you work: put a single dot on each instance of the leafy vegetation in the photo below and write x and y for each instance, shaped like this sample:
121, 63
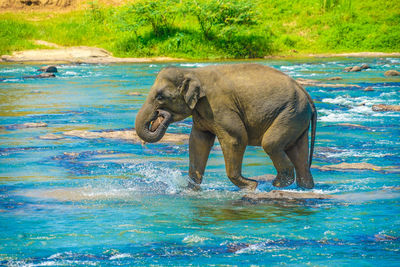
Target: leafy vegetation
213, 28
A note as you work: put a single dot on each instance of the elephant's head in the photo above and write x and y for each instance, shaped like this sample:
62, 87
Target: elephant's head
172, 98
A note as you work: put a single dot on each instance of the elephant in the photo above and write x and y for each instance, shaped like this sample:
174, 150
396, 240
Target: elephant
240, 104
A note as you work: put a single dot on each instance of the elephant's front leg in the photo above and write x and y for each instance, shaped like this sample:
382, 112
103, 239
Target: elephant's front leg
233, 149
200, 144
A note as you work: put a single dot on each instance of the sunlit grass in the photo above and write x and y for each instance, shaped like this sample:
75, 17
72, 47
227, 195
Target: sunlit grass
276, 27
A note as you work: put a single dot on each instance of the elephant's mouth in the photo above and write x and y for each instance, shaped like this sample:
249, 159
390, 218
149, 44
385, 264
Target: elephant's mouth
162, 119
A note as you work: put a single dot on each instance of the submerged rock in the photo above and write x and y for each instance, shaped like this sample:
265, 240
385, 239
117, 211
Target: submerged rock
349, 166
392, 73
39, 76
383, 107
369, 89
334, 78
25, 125
284, 195
51, 137
353, 126
34, 124
129, 135
310, 82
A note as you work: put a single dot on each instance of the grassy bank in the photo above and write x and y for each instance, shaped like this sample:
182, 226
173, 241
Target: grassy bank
213, 28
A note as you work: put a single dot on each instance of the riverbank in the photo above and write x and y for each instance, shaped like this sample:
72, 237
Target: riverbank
94, 55
77, 54
206, 29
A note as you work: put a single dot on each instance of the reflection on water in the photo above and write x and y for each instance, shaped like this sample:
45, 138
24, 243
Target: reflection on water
78, 201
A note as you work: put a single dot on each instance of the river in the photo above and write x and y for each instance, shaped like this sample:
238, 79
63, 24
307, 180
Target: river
70, 200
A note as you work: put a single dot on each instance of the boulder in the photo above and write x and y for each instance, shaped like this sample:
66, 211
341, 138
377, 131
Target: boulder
284, 195
348, 68
392, 73
51, 69
41, 75
383, 107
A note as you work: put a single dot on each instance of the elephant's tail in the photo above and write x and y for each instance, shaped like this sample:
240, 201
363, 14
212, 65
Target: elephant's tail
313, 130
313, 124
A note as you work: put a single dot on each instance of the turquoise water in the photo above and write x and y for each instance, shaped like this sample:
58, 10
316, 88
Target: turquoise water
76, 201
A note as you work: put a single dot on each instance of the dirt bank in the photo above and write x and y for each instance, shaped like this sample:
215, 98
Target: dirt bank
85, 54
77, 54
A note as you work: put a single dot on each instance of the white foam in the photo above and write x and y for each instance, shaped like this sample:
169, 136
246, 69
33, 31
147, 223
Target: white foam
194, 65
252, 248
121, 256
194, 239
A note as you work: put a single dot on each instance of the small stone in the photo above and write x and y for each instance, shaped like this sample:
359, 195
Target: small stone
392, 73
369, 89
383, 107
355, 69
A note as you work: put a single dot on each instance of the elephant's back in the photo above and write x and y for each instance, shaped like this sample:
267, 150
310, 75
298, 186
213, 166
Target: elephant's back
259, 94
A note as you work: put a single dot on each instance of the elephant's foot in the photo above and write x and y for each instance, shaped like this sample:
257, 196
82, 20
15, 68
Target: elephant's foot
244, 183
305, 182
193, 186
283, 179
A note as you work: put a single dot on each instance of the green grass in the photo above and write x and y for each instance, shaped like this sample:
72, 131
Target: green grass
213, 29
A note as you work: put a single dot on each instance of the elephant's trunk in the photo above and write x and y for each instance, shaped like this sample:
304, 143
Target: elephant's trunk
151, 125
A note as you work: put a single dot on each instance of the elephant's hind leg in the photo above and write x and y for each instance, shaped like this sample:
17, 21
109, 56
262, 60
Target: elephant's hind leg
274, 141
298, 154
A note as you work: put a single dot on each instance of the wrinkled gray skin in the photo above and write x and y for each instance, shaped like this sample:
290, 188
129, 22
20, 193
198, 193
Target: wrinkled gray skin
241, 104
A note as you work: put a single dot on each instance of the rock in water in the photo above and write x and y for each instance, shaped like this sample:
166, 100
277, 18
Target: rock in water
392, 73
41, 75
284, 195
51, 69
355, 68
33, 125
365, 66
383, 107
350, 166
334, 78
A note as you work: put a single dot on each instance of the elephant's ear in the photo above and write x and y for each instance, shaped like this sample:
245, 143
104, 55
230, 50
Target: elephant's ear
191, 90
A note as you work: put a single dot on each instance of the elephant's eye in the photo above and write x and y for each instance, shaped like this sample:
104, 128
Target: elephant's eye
160, 96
